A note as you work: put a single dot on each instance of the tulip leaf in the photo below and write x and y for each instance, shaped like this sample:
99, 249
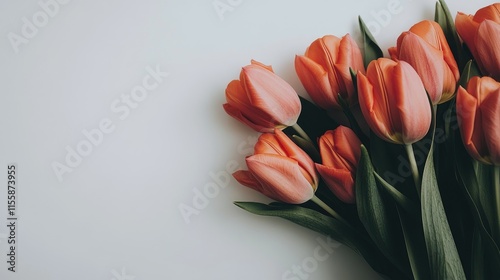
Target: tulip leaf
409, 206
371, 50
443, 255
378, 214
415, 246
444, 18
469, 185
470, 70
328, 226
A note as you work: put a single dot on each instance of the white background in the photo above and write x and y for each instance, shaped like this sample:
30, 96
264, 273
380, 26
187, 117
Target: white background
116, 214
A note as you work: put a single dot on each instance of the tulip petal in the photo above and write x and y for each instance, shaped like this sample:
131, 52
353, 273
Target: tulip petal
467, 120
427, 61
491, 12
374, 112
488, 47
324, 51
490, 112
340, 148
466, 28
238, 107
316, 82
270, 93
414, 114
339, 181
281, 178
246, 178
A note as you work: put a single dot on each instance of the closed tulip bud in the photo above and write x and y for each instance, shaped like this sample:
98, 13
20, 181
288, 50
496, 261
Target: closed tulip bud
280, 170
261, 99
394, 102
324, 70
481, 33
425, 48
478, 112
340, 152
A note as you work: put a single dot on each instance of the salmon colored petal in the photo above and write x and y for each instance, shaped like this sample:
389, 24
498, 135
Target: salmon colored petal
340, 182
340, 148
237, 114
296, 153
466, 113
488, 47
246, 178
376, 119
350, 55
268, 67
427, 61
270, 93
491, 12
412, 101
490, 112
316, 82
238, 107
393, 53
281, 177
467, 28
324, 51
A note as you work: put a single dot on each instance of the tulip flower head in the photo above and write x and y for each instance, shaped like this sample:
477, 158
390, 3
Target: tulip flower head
340, 152
324, 70
280, 170
394, 102
481, 33
261, 99
478, 111
425, 48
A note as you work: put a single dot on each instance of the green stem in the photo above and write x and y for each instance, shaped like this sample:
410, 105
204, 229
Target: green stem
328, 209
414, 167
496, 187
301, 132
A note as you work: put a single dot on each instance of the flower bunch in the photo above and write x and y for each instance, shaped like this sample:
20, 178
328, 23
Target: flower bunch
398, 158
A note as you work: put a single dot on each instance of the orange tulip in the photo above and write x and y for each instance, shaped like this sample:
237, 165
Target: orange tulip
280, 170
394, 102
425, 48
261, 99
481, 33
324, 70
340, 152
478, 111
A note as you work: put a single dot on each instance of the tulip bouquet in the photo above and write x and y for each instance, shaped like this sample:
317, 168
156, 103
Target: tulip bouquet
397, 158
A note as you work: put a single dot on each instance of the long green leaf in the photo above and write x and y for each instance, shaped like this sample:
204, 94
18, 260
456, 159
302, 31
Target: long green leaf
444, 18
378, 214
443, 255
326, 225
415, 245
371, 50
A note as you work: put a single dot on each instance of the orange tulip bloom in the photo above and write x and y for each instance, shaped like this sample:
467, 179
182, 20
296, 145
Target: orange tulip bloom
261, 99
425, 48
481, 33
340, 152
394, 102
280, 170
324, 70
478, 111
